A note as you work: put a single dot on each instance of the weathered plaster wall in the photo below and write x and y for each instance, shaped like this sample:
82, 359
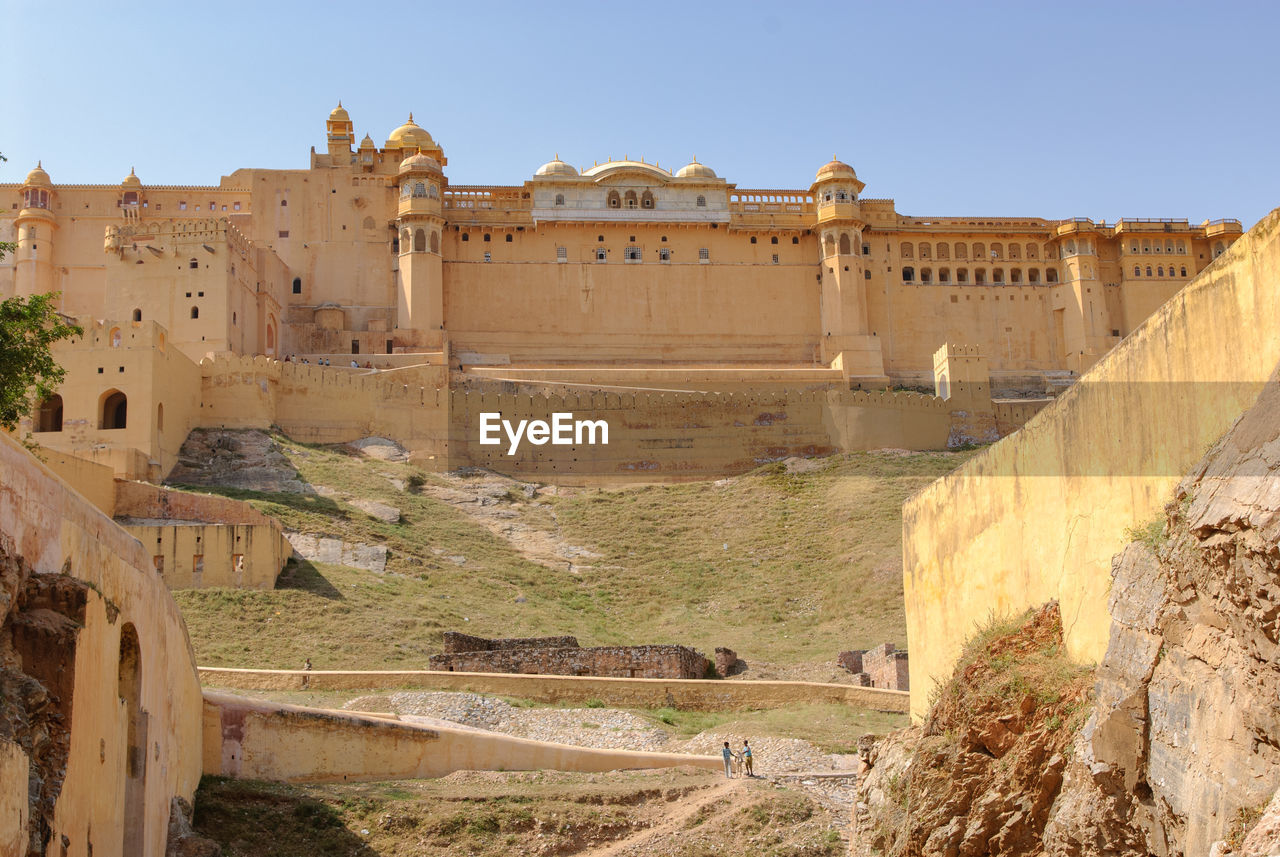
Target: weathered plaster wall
262, 740
700, 695
59, 532
1038, 516
95, 482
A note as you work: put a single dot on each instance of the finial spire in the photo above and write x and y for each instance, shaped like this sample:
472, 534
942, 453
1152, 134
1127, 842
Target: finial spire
410, 115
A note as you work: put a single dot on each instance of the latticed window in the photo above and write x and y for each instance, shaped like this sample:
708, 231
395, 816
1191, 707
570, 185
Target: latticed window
562, 254
704, 254
632, 254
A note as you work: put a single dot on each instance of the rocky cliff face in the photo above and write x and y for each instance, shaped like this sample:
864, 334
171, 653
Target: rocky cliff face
1180, 751
1184, 741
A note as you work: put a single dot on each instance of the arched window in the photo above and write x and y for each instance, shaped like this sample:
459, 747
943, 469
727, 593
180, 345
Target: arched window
962, 276
1015, 252
702, 202
1160, 271
908, 275
435, 241
997, 276
131, 197
419, 240
368, 223
828, 245
559, 199
997, 250
944, 251
962, 250
466, 236
297, 285
631, 199
115, 337
284, 203
1137, 271
845, 247
1182, 248
1168, 245
405, 190
979, 251
271, 338
508, 237
1015, 275
926, 250
1184, 271
1051, 275
980, 277
195, 312
419, 190
944, 276
132, 782
1219, 249
646, 201
193, 264
615, 201
137, 315
1033, 276
1148, 270
926, 276
1032, 252
112, 410
907, 250
48, 415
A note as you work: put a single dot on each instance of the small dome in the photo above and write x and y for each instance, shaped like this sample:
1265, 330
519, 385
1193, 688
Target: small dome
418, 162
367, 142
339, 114
836, 169
410, 135
695, 170
556, 167
38, 177
131, 180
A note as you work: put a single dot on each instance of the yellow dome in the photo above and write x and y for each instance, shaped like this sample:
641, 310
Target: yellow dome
556, 167
38, 177
410, 135
695, 170
131, 180
836, 169
419, 162
339, 114
367, 142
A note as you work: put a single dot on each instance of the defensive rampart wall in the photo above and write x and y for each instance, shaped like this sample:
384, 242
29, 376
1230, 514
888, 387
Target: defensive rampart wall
693, 694
96, 627
268, 741
1039, 515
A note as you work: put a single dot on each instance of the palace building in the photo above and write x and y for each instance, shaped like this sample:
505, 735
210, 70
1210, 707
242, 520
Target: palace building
624, 275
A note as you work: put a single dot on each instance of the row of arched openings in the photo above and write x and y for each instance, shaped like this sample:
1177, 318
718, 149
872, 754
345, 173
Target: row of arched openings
629, 200
980, 276
978, 250
421, 240
113, 413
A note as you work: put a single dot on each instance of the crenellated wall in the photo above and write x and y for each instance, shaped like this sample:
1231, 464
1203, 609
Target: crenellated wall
1039, 515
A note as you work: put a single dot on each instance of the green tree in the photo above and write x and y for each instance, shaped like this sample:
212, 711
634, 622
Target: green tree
28, 373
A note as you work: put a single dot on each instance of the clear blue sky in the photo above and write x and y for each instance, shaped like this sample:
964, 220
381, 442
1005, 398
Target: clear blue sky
1103, 110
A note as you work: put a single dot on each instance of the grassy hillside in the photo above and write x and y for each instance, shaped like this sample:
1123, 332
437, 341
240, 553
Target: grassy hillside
783, 567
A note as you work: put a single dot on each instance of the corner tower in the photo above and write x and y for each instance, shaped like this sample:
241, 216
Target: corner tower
36, 225
847, 341
420, 222
340, 134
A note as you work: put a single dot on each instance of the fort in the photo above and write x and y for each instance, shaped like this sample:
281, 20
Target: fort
722, 326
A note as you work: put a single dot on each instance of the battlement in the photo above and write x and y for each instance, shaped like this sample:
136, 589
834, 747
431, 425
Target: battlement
110, 333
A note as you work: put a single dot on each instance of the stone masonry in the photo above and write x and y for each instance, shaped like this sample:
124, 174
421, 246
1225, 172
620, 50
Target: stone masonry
563, 656
882, 667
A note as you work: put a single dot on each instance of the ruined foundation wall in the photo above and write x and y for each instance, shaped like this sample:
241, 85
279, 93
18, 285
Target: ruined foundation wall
615, 661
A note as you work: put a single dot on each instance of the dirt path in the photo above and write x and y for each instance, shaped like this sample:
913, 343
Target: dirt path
675, 822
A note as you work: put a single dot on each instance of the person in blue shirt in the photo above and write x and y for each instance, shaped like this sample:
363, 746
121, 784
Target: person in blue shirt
746, 757
728, 760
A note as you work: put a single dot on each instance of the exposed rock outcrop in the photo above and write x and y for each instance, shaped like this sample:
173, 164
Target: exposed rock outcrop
1185, 735
247, 459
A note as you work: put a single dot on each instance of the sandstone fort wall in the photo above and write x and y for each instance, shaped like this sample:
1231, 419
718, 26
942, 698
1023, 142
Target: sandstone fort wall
614, 661
1039, 515
131, 678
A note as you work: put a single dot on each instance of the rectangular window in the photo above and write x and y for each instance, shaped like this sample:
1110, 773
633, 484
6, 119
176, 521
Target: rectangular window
284, 233
664, 255
632, 254
775, 258
158, 562
488, 257
236, 206
562, 254
182, 206
602, 255
704, 254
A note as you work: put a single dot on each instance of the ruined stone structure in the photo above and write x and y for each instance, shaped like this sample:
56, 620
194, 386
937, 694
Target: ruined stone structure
882, 666
563, 656
624, 277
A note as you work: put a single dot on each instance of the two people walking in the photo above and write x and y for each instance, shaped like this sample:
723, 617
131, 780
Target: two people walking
743, 758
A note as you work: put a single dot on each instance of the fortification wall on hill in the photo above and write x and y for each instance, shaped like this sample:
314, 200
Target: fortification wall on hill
1038, 516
